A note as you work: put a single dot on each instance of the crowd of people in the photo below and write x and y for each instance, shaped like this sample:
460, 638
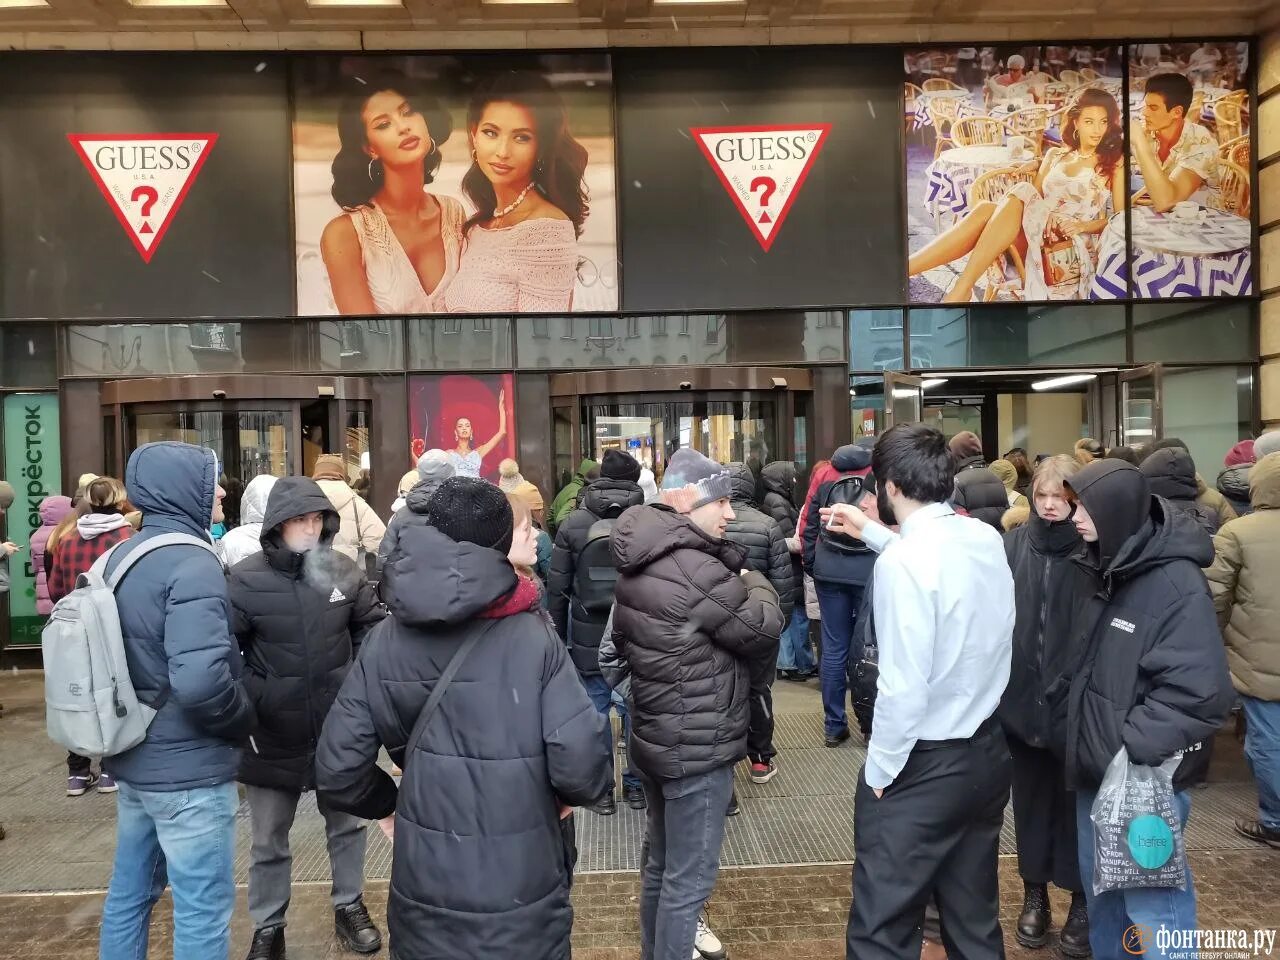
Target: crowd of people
997, 629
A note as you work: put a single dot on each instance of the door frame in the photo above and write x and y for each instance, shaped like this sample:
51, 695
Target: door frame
214, 392
664, 384
1155, 373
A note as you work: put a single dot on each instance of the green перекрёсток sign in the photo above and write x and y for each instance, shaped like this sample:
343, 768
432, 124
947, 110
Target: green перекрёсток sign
33, 465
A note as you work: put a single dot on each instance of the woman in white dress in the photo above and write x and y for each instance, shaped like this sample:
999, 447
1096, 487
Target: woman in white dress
1055, 223
527, 184
397, 246
468, 461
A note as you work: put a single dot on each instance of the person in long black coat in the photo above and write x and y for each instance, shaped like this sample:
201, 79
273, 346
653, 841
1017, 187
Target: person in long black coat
299, 610
1048, 587
483, 859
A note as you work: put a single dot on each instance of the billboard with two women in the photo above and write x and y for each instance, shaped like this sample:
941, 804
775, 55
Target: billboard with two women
1083, 172
454, 184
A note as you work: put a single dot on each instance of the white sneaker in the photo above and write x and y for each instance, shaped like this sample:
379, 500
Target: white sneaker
706, 945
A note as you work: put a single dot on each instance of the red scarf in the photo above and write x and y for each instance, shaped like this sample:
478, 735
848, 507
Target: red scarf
525, 597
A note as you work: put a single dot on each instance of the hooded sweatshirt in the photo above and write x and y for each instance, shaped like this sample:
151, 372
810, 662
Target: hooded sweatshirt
515, 736
244, 541
53, 510
1172, 474
299, 618
1153, 674
94, 535
567, 499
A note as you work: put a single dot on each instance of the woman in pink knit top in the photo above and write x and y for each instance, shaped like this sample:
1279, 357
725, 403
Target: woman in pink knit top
520, 253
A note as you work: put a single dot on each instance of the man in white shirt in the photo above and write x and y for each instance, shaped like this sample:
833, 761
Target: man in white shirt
931, 798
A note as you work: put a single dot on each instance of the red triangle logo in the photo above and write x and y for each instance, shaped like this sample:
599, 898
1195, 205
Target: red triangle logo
762, 169
144, 176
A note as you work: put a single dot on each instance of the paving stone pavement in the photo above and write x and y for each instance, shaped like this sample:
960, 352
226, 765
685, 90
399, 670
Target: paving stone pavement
783, 892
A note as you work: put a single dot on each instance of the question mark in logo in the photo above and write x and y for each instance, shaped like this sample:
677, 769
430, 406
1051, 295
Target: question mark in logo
148, 196
766, 186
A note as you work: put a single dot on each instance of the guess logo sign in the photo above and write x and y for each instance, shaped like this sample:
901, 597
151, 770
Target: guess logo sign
144, 176
762, 169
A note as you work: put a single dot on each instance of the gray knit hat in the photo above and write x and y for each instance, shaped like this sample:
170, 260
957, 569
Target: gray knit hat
435, 465
1266, 444
693, 480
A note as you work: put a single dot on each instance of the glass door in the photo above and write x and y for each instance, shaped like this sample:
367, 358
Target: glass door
1141, 408
905, 399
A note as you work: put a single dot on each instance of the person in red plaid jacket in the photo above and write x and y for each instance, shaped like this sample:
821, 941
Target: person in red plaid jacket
100, 527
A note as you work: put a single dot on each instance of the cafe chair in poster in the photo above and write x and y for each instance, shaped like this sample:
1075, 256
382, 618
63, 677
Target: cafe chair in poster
1237, 151
1228, 116
911, 108
978, 132
1233, 194
1071, 77
1030, 123
1088, 73
945, 111
941, 83
993, 186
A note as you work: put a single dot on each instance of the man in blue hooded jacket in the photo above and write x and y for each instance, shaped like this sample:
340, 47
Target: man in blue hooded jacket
175, 812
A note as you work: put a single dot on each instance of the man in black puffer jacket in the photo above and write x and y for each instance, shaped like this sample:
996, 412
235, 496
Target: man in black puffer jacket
979, 492
1153, 676
1048, 586
690, 626
483, 859
299, 609
1171, 473
795, 659
580, 594
766, 552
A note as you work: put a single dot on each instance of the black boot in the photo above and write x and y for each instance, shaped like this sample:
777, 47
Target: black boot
268, 944
634, 798
1033, 924
1074, 938
355, 930
606, 806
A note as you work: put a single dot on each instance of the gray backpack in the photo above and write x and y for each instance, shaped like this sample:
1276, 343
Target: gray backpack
90, 704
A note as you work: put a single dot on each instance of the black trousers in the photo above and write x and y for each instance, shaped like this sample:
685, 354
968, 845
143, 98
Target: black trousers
760, 727
935, 833
1044, 817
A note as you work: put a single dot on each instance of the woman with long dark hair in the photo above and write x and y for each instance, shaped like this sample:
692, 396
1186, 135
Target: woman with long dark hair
526, 182
397, 245
1055, 223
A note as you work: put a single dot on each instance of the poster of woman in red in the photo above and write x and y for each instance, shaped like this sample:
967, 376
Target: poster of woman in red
469, 416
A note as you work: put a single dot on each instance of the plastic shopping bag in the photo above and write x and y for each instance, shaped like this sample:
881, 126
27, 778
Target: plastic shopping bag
1137, 832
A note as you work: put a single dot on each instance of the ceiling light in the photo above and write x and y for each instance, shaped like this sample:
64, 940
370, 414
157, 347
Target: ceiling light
674, 3
930, 384
354, 3
1054, 382
527, 3
16, 4
905, 393
177, 3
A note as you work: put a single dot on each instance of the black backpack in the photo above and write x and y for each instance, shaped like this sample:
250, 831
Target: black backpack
846, 490
595, 576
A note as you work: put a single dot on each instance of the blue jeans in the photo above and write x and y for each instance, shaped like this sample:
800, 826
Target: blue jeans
839, 603
1262, 748
182, 838
602, 697
793, 651
1114, 912
680, 858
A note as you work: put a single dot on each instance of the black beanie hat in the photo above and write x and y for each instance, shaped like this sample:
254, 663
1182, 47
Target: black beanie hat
467, 510
620, 466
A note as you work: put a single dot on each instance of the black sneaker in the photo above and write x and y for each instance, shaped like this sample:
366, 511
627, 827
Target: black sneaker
268, 944
605, 806
634, 798
1254, 830
732, 810
1034, 921
835, 739
786, 674
802, 676
355, 930
1074, 936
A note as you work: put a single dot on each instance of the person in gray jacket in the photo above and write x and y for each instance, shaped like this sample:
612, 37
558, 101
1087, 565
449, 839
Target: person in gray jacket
434, 468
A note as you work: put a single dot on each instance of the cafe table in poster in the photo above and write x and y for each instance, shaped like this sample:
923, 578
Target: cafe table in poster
33, 465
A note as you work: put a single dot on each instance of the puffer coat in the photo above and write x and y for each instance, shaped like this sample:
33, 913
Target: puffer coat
52, 512
482, 861
299, 619
1244, 579
779, 479
760, 536
979, 492
690, 628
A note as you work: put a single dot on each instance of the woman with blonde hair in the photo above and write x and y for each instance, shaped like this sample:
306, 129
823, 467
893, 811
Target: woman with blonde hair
98, 525
1088, 450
